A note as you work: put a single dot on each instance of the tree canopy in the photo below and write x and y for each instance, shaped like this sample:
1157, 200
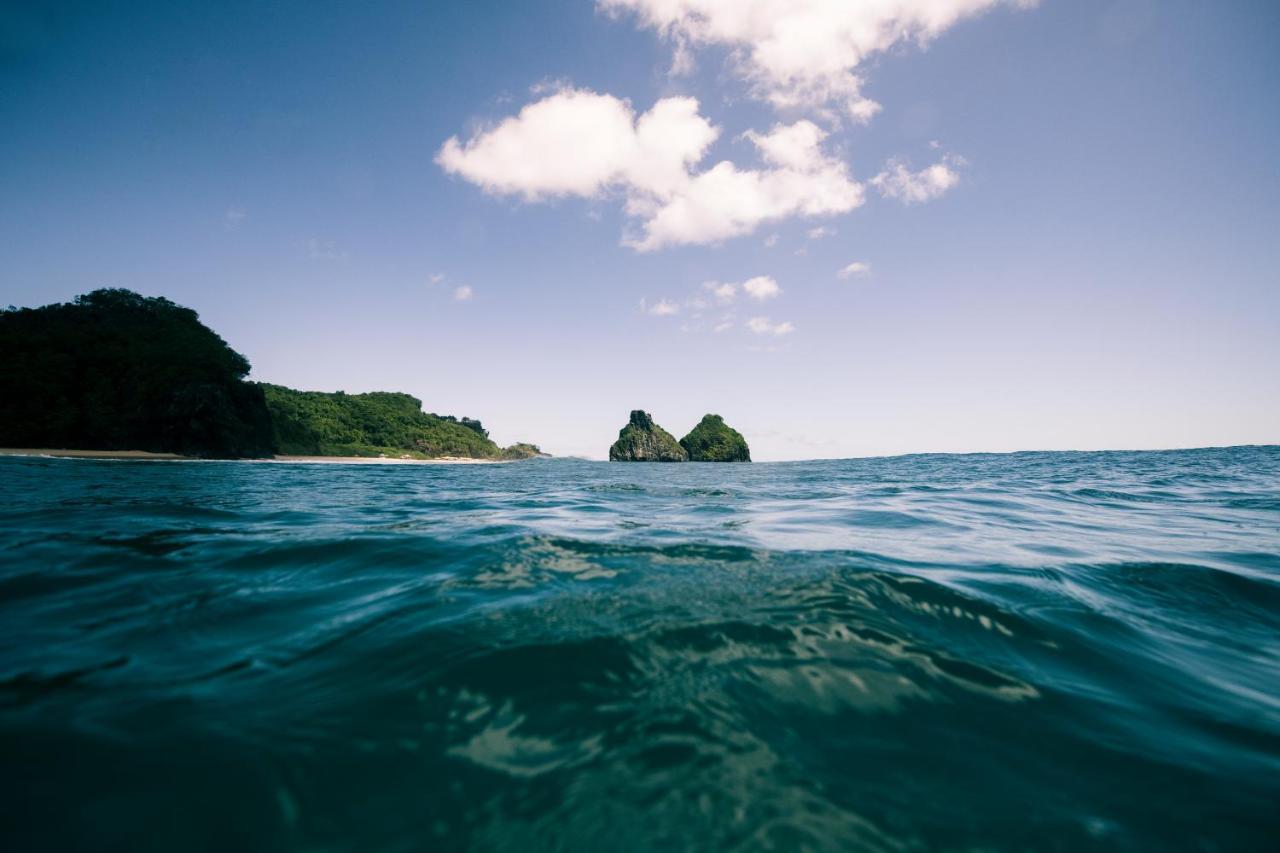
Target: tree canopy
114, 370
316, 423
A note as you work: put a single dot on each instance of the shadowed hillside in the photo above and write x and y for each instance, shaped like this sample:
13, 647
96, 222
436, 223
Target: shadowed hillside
114, 370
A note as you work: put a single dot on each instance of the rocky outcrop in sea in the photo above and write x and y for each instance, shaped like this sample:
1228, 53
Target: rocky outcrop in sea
642, 440
712, 440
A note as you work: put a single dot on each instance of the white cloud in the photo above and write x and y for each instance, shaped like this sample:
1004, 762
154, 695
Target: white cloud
682, 61
857, 268
771, 241
725, 201
761, 288
234, 218
821, 232
463, 293
724, 292
716, 298
580, 143
802, 53
764, 326
897, 181
435, 278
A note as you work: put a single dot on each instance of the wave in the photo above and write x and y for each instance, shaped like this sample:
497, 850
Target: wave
982, 652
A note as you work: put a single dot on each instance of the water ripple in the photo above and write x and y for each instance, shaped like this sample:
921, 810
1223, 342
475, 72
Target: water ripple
1029, 651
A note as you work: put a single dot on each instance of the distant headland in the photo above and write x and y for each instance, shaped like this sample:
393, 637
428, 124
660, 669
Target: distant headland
117, 372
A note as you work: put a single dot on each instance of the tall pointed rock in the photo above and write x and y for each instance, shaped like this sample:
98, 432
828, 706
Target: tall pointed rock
642, 440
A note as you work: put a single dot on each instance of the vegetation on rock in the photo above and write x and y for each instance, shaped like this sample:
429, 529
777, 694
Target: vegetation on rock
114, 370
642, 440
712, 440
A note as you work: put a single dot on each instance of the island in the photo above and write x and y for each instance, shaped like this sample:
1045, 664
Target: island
641, 440
712, 440
117, 372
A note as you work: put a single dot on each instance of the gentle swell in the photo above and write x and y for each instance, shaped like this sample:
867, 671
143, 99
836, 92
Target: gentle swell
1034, 651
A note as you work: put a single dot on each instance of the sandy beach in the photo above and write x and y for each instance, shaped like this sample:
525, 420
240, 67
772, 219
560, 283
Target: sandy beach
388, 460
327, 460
87, 454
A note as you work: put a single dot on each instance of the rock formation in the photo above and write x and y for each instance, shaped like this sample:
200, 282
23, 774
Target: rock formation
712, 440
644, 441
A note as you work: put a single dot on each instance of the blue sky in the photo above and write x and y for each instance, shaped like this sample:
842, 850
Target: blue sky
1066, 212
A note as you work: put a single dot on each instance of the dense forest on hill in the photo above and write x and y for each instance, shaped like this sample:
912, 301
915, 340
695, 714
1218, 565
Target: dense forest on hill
310, 423
113, 370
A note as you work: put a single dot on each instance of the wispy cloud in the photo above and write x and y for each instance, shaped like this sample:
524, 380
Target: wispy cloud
463, 293
765, 326
234, 218
661, 308
711, 307
724, 292
897, 181
857, 269
435, 278
821, 231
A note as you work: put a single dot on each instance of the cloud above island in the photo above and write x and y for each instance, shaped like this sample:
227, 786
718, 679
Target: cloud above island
801, 54
898, 182
713, 305
581, 143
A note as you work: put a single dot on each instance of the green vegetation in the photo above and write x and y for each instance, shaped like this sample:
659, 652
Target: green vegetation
315, 423
114, 370
641, 440
522, 450
712, 440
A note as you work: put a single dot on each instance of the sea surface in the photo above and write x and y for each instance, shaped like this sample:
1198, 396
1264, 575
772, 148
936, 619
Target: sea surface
1034, 651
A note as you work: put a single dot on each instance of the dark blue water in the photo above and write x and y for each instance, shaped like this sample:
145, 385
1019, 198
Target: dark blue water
1033, 651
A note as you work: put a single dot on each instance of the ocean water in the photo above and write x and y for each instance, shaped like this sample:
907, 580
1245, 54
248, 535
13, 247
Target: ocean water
1037, 651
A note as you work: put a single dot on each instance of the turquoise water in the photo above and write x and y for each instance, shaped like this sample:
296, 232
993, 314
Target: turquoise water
1032, 651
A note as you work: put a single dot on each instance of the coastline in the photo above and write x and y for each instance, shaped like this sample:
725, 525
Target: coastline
385, 460
63, 453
